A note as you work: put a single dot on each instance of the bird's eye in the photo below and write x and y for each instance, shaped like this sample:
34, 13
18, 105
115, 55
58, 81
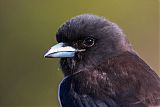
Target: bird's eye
88, 42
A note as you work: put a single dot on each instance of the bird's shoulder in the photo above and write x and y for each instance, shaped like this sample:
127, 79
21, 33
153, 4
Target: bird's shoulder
132, 76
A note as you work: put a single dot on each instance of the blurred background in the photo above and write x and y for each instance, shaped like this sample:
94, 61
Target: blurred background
27, 30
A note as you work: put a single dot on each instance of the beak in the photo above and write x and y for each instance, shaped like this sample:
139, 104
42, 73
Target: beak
60, 50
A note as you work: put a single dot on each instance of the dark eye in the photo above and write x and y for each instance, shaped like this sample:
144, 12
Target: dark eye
88, 42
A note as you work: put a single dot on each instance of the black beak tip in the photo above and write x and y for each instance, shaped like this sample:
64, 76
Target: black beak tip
46, 56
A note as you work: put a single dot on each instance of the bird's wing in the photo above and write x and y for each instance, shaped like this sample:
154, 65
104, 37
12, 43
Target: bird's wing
87, 101
68, 98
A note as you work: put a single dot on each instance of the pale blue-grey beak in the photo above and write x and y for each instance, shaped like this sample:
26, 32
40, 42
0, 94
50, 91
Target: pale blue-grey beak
60, 50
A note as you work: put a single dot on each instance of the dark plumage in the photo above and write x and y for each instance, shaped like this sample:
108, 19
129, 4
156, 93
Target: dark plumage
101, 68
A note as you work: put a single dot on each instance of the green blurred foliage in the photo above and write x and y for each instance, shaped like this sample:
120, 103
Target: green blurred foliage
27, 29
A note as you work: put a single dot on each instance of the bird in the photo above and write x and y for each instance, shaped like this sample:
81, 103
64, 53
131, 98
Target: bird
101, 67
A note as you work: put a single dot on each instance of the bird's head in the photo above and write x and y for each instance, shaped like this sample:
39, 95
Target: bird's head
87, 39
